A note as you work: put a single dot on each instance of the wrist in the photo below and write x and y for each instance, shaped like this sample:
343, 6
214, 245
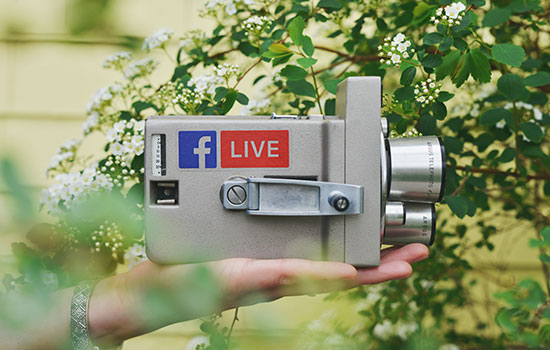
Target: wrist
110, 319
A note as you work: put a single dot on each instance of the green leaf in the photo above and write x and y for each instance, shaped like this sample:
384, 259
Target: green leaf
479, 66
331, 85
439, 110
407, 76
507, 155
453, 145
279, 48
444, 96
496, 17
330, 4
458, 205
307, 45
404, 94
296, 29
432, 38
242, 99
493, 116
330, 106
292, 72
538, 79
545, 258
229, 101
509, 54
545, 234
301, 87
446, 43
221, 91
532, 131
505, 320
306, 62
431, 61
449, 64
511, 86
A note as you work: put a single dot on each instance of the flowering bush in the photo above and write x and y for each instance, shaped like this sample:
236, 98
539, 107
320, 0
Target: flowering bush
295, 53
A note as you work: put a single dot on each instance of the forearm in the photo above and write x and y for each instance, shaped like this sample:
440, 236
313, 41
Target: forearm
38, 330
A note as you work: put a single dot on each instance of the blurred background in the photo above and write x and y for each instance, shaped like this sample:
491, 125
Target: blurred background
50, 66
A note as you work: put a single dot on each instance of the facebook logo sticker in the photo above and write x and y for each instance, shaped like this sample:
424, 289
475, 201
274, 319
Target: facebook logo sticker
197, 149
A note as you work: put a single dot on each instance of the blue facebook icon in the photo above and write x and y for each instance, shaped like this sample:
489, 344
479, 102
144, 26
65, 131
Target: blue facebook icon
197, 149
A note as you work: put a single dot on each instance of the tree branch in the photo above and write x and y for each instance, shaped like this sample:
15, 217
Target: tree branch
501, 172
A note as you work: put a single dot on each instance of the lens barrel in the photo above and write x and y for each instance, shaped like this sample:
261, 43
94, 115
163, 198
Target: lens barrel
413, 177
416, 169
419, 226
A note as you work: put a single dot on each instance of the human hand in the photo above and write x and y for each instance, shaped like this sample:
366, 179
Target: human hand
151, 296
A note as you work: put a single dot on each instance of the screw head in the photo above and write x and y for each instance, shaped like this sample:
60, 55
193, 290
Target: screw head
236, 195
341, 204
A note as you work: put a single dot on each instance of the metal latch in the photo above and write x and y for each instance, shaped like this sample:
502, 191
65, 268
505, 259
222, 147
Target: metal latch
289, 197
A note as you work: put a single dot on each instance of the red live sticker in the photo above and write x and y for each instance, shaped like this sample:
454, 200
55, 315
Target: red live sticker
254, 149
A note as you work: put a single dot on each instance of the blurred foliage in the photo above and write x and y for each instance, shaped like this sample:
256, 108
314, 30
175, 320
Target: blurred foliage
295, 52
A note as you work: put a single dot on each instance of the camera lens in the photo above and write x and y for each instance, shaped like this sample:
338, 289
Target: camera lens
416, 169
419, 226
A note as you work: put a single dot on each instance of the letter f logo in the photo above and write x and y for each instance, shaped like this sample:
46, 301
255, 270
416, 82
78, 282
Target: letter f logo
197, 149
202, 151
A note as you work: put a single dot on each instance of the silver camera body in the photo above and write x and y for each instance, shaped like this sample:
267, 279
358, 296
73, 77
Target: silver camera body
316, 187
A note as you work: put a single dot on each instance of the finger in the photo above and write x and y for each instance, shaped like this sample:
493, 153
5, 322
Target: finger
410, 253
391, 270
244, 275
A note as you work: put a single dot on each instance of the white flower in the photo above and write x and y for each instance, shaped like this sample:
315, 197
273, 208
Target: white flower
135, 255
255, 23
90, 123
422, 99
399, 37
157, 39
231, 9
140, 68
117, 149
112, 135
405, 55
198, 341
117, 60
206, 83
383, 330
226, 70
449, 347
537, 114
193, 39
401, 47
395, 58
403, 330
458, 6
501, 124
139, 126
256, 107
439, 11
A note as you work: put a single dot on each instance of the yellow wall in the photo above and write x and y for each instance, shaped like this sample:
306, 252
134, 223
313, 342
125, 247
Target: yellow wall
46, 82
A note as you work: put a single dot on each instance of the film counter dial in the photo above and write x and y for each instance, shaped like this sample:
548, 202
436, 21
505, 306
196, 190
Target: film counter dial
316, 187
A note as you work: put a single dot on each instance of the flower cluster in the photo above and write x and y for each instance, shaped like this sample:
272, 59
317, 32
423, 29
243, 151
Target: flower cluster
192, 40
256, 107
108, 238
190, 100
104, 98
158, 39
450, 15
387, 329
117, 61
141, 68
73, 187
64, 155
226, 71
135, 255
395, 50
205, 84
256, 24
230, 6
126, 139
119, 169
166, 95
426, 92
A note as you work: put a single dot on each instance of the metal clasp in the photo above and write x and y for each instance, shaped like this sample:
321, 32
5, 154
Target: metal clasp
289, 197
